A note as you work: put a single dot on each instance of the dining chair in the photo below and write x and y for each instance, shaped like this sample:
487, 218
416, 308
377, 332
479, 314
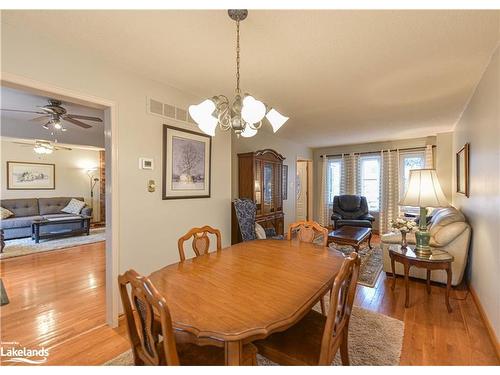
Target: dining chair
315, 339
312, 232
308, 231
150, 331
201, 241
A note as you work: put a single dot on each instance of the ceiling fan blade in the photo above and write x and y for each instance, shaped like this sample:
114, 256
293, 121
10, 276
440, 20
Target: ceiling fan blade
76, 122
90, 118
22, 111
24, 143
44, 117
47, 110
62, 148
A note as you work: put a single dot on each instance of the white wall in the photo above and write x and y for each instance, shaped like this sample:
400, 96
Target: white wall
71, 178
480, 126
290, 150
149, 226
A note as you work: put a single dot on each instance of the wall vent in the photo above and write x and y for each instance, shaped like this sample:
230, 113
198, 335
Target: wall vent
165, 110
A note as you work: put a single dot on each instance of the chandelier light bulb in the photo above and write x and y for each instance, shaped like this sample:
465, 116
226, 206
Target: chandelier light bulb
57, 125
253, 110
202, 115
276, 119
248, 132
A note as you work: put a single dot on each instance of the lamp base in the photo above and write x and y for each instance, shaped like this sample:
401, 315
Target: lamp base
422, 239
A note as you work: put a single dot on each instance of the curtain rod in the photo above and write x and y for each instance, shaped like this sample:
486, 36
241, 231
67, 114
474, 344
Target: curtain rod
376, 152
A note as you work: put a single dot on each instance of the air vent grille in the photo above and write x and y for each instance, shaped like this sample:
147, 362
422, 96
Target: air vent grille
158, 108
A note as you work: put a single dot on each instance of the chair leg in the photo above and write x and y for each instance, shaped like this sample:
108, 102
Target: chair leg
322, 303
344, 350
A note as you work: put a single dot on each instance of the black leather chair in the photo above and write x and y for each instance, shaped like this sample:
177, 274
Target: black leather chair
351, 210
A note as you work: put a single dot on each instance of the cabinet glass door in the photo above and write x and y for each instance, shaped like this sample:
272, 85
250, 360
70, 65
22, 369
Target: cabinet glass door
268, 188
258, 186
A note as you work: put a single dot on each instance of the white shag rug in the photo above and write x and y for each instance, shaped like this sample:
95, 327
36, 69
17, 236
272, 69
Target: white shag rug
374, 340
25, 246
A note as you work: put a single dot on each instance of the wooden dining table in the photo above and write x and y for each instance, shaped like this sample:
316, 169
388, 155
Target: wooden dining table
246, 291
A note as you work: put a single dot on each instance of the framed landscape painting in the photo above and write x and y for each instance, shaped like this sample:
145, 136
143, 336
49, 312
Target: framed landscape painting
186, 163
30, 176
463, 170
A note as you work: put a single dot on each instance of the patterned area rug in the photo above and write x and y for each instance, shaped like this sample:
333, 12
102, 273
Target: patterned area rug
371, 262
374, 340
25, 246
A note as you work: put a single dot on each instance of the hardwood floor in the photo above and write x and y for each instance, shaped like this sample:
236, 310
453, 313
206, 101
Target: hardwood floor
57, 301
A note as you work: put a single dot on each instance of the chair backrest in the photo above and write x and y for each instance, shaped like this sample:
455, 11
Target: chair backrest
144, 332
308, 231
201, 241
245, 210
339, 312
350, 206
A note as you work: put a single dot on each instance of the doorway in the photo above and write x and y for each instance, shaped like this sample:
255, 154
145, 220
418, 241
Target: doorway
303, 205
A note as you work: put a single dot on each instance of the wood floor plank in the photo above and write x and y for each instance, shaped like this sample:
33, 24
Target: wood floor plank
58, 300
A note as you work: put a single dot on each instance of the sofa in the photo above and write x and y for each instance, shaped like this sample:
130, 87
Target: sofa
29, 209
351, 210
449, 232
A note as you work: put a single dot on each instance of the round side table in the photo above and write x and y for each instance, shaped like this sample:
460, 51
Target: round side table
439, 260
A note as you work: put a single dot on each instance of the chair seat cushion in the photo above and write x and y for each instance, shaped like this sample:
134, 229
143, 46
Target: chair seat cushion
299, 345
18, 222
353, 223
194, 355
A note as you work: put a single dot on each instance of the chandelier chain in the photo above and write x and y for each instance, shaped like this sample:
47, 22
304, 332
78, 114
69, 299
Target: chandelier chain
238, 57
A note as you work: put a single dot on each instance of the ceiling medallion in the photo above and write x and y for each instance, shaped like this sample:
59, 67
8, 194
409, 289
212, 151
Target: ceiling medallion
244, 115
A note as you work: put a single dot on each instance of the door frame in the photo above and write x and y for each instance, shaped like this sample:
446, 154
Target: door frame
112, 192
309, 200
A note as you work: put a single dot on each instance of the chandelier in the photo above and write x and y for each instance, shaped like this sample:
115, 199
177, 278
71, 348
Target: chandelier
245, 113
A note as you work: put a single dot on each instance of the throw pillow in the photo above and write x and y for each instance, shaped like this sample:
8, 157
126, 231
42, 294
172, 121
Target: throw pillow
5, 213
260, 232
74, 206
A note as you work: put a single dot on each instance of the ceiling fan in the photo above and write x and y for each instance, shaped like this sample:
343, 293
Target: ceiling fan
43, 147
53, 113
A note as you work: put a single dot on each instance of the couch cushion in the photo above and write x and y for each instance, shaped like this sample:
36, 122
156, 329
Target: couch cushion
21, 207
350, 202
53, 205
444, 217
5, 213
74, 206
18, 222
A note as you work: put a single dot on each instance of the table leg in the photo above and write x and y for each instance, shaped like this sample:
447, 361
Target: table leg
407, 284
448, 287
234, 353
393, 267
428, 281
370, 241
356, 248
36, 227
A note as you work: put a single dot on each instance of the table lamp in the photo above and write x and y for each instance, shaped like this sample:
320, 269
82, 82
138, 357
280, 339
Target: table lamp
423, 191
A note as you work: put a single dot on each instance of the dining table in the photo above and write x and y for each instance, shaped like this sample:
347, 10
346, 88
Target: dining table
246, 291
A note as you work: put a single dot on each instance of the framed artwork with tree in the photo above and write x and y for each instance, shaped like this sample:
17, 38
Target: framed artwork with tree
186, 163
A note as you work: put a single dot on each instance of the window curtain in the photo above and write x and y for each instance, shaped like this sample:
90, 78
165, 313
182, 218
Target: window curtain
350, 180
324, 205
389, 189
429, 157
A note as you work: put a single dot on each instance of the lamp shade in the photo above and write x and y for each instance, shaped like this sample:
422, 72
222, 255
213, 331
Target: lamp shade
424, 190
276, 119
202, 115
253, 110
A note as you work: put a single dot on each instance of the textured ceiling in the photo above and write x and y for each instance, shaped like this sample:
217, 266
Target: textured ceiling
341, 76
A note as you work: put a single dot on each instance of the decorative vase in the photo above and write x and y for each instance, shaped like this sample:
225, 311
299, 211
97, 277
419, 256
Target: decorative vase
404, 242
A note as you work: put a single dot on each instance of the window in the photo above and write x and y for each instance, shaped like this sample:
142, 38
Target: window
409, 161
370, 180
333, 178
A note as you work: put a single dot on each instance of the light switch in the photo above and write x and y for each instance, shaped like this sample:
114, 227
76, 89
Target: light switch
151, 186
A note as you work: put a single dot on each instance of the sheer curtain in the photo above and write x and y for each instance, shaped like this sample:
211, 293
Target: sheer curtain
389, 188
350, 174
324, 216
429, 157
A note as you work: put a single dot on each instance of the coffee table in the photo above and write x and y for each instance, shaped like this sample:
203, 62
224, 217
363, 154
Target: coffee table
438, 260
50, 228
351, 236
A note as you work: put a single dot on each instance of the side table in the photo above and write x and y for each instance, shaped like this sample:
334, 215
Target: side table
439, 260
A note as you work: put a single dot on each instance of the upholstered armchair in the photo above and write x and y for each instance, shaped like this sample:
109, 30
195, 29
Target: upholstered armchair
351, 210
245, 210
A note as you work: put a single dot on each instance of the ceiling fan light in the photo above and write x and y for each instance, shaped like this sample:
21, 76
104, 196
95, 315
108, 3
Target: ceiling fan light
253, 110
248, 132
276, 119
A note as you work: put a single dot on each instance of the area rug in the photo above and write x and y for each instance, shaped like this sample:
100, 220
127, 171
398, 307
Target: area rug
4, 299
371, 262
26, 246
374, 340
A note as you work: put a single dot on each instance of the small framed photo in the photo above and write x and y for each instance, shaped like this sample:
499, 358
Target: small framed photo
186, 163
463, 170
30, 176
145, 163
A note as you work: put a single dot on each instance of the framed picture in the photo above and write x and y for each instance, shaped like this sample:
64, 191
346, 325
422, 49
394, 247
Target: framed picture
186, 163
284, 180
30, 176
463, 170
